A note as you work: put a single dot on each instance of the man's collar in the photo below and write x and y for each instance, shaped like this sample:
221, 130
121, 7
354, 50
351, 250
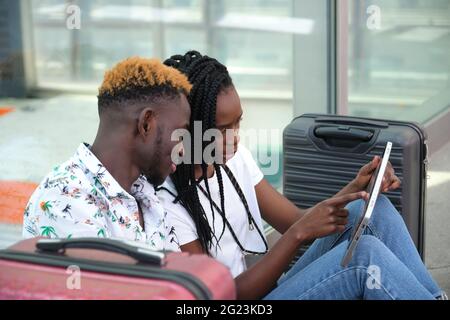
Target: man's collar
102, 178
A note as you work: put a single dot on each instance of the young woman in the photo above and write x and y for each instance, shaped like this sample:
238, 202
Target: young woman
217, 209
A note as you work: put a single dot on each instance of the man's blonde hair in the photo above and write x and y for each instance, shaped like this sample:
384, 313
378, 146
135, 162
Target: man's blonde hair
135, 77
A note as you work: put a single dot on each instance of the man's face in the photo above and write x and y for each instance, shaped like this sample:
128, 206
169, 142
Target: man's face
175, 115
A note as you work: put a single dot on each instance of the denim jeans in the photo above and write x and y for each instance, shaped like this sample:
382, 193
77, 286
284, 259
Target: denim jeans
385, 264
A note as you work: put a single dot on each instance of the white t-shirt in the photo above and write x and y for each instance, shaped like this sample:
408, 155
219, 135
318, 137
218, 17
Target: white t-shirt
248, 175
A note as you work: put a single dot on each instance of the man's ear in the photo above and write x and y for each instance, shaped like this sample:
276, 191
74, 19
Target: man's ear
146, 122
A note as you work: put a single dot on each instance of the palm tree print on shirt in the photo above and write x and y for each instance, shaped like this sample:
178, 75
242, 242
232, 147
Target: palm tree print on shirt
67, 209
101, 233
45, 207
48, 231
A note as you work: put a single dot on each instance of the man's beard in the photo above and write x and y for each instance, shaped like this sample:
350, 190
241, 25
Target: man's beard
153, 176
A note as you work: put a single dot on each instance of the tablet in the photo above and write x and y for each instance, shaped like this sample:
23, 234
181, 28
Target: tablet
373, 189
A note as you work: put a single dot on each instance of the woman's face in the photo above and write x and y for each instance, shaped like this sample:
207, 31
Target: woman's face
228, 118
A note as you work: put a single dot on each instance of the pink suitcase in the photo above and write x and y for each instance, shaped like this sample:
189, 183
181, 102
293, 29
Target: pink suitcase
92, 268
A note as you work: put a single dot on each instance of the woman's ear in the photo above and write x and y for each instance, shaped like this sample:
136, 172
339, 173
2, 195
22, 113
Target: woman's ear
146, 122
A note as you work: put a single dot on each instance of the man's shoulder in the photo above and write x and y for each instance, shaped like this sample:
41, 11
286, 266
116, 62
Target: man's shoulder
67, 176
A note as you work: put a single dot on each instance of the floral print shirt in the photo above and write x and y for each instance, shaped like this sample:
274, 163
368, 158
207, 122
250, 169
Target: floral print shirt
80, 198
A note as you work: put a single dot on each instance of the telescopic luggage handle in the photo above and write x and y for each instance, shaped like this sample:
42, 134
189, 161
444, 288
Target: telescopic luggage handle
137, 252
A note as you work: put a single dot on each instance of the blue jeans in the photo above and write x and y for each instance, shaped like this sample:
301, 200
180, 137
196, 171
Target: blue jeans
385, 264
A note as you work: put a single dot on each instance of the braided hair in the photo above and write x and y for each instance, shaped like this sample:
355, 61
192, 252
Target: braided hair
208, 78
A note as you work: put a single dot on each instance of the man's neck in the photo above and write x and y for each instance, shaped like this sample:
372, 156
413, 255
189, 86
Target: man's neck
117, 160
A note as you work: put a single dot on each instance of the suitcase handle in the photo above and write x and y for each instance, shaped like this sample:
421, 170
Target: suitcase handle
353, 121
138, 252
343, 132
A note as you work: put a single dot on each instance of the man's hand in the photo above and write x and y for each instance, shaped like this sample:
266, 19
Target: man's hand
390, 180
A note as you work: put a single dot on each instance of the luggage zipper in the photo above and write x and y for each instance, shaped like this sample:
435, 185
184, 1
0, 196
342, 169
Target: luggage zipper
426, 160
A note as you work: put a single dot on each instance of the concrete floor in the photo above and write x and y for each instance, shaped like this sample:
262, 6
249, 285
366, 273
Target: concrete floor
437, 228
42, 133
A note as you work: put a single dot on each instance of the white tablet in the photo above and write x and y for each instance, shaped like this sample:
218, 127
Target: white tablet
373, 189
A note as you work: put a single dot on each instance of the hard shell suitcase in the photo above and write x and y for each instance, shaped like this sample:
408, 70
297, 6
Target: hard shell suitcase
92, 268
322, 153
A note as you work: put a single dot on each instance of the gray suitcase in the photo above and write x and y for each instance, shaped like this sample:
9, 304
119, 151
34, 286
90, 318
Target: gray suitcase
322, 153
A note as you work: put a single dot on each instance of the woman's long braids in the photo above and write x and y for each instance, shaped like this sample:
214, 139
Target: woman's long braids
208, 77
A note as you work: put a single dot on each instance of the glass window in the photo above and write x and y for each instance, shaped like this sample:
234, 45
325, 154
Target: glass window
280, 8
253, 38
53, 59
243, 35
109, 32
257, 61
184, 11
178, 40
399, 66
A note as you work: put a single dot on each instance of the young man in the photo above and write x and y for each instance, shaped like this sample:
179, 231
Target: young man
105, 190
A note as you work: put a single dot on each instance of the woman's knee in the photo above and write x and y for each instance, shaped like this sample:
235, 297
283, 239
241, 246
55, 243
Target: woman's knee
369, 242
369, 248
384, 201
385, 213
354, 211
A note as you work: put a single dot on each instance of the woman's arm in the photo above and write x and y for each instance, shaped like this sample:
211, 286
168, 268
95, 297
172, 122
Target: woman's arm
259, 279
325, 218
275, 208
281, 213
390, 180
